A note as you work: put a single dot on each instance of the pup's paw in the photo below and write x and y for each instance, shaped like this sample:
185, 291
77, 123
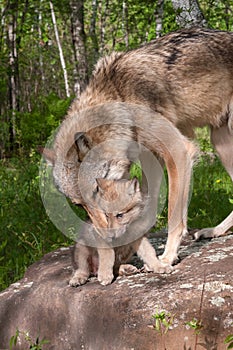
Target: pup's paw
160, 267
78, 279
105, 278
127, 270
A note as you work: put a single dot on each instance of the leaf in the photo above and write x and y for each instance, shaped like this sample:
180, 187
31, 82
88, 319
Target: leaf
14, 339
228, 338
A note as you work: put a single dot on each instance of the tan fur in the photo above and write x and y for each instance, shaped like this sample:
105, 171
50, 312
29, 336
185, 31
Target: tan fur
183, 80
105, 262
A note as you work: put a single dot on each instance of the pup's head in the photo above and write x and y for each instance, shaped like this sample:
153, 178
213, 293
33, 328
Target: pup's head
116, 204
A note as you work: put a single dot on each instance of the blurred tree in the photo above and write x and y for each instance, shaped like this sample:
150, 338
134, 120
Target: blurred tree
63, 65
13, 71
188, 13
159, 18
31, 76
79, 44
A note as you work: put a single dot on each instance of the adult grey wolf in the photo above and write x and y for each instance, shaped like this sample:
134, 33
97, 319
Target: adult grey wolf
186, 78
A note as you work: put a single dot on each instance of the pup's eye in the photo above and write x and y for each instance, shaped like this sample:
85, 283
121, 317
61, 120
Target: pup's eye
119, 216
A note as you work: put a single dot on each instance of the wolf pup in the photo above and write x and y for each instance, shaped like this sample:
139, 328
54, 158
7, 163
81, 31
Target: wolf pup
105, 263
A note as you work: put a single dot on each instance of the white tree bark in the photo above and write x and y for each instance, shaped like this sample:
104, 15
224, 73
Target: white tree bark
40, 43
60, 49
125, 23
13, 73
104, 11
188, 13
159, 18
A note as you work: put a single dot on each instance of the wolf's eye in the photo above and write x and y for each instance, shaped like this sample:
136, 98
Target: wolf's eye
119, 216
95, 191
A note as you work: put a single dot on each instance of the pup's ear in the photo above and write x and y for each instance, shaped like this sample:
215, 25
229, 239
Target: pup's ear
103, 184
134, 186
83, 144
48, 154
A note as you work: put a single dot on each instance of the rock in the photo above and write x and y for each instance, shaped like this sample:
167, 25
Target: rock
119, 316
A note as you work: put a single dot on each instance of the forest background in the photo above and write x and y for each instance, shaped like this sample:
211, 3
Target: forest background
47, 52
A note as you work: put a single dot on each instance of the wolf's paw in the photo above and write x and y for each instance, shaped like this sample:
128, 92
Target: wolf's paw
211, 232
127, 270
168, 259
78, 279
105, 278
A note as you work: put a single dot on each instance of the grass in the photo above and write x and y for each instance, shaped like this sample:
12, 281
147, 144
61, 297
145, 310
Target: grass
211, 195
33, 345
27, 233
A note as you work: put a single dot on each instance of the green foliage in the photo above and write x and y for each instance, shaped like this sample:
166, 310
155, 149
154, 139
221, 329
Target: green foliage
35, 127
108, 26
136, 171
229, 341
211, 190
196, 325
33, 345
26, 231
163, 320
218, 13
169, 18
212, 187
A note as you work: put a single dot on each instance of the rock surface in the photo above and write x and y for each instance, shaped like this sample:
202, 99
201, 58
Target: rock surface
119, 316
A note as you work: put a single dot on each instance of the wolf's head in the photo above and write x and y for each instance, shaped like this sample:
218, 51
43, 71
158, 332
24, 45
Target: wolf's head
104, 133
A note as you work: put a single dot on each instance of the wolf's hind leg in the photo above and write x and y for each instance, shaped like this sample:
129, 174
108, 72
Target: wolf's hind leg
222, 139
220, 230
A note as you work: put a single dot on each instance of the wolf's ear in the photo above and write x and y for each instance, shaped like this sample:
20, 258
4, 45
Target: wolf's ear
103, 184
134, 186
76, 200
48, 154
83, 144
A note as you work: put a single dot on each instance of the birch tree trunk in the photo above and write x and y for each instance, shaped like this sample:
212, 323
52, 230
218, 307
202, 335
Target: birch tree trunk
60, 49
79, 45
40, 43
13, 75
188, 13
104, 11
125, 26
159, 18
